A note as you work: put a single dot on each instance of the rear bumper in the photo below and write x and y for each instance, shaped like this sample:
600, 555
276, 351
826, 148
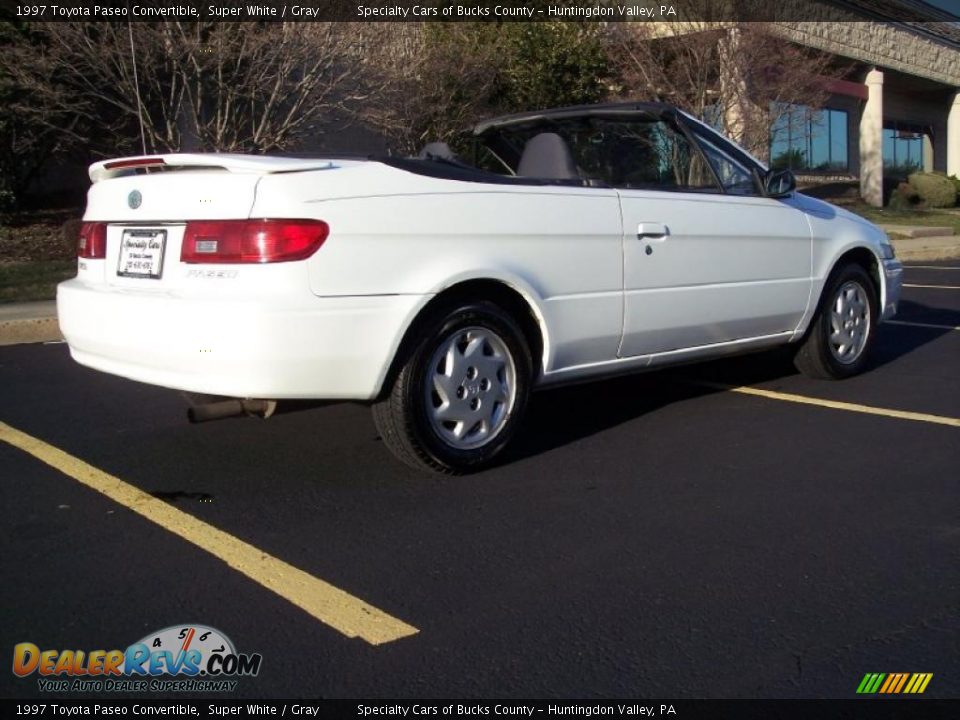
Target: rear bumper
309, 347
892, 285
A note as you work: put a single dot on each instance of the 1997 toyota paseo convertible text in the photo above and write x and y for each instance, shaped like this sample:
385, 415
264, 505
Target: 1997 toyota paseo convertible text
569, 244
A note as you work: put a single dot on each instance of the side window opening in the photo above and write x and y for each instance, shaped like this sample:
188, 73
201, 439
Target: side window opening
654, 155
735, 178
646, 151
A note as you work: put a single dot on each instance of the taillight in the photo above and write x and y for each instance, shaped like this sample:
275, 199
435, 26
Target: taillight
251, 241
92, 243
134, 163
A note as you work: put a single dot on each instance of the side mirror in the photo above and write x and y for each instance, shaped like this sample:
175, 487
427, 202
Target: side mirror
780, 183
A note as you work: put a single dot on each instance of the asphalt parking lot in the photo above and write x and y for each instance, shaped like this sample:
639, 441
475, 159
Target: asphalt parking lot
709, 531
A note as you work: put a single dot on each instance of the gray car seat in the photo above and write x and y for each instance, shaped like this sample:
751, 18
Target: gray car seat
548, 156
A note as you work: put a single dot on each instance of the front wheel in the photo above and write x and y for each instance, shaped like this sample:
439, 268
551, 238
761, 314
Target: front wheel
841, 334
458, 398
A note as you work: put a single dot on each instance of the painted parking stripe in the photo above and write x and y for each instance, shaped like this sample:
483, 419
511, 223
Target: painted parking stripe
833, 404
330, 605
923, 325
933, 287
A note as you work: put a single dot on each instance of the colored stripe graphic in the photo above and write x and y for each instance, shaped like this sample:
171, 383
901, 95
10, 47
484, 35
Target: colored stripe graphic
894, 683
875, 685
903, 679
886, 684
870, 683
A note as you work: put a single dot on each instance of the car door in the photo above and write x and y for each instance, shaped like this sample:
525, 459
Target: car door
707, 258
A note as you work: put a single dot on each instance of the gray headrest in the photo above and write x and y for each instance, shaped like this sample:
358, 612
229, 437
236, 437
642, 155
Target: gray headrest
547, 156
436, 150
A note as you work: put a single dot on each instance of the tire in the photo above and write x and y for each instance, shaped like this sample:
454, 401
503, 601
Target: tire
461, 391
841, 335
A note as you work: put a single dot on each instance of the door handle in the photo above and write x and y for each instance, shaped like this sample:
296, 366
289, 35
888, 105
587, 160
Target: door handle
652, 231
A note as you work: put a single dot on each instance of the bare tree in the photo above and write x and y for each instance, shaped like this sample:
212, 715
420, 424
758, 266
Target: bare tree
204, 86
426, 81
741, 76
31, 132
438, 78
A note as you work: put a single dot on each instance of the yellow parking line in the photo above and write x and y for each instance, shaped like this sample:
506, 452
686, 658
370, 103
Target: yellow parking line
328, 604
934, 287
834, 404
923, 325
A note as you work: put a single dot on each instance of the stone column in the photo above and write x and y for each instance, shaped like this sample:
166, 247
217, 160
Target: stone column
745, 122
953, 137
927, 153
733, 86
871, 141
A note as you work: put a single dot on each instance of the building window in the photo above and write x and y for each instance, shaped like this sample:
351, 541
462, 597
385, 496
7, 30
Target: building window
902, 151
807, 139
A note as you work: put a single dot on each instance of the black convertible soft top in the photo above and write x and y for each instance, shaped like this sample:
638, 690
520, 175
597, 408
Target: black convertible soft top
573, 111
507, 137
447, 170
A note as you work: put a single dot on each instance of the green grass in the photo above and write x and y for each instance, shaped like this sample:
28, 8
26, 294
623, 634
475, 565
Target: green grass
33, 280
911, 217
37, 251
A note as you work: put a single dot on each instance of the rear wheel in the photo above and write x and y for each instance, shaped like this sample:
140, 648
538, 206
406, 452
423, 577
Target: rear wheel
458, 398
841, 335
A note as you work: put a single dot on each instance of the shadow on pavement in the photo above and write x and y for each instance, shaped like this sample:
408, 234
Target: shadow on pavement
560, 416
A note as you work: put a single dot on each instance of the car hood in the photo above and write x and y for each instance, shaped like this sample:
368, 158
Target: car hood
827, 211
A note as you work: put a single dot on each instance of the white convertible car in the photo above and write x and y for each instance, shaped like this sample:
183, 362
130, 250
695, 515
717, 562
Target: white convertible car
564, 245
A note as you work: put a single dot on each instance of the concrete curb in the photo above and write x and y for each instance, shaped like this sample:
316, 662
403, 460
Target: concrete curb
928, 248
29, 330
917, 231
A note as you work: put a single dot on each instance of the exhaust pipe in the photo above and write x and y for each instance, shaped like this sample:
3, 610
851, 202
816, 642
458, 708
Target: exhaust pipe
232, 407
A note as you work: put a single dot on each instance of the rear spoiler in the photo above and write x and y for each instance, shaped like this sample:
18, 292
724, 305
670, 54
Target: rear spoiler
258, 164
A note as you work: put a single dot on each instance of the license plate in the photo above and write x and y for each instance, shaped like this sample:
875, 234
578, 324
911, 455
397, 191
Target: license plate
141, 253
